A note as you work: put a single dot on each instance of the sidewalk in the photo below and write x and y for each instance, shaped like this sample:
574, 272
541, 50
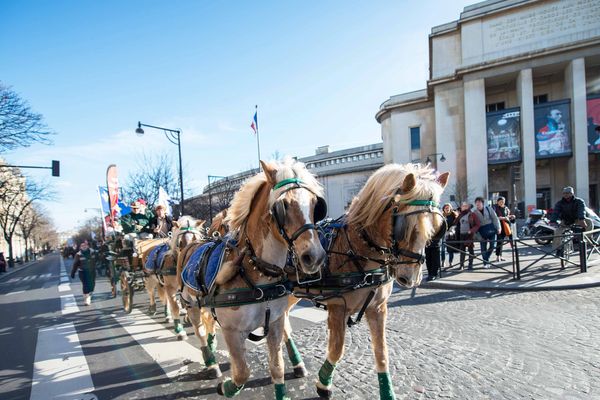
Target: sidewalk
544, 275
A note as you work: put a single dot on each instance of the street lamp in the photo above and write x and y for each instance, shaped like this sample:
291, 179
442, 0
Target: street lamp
442, 158
215, 177
173, 135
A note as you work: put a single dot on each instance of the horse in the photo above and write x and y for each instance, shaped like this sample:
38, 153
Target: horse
379, 239
272, 214
145, 249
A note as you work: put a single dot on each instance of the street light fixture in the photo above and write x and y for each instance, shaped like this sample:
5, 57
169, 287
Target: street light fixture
173, 136
442, 158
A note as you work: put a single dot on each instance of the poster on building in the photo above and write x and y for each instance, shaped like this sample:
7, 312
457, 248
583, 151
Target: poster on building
553, 129
503, 136
593, 122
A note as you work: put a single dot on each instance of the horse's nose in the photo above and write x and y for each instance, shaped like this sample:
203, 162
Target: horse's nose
307, 259
312, 260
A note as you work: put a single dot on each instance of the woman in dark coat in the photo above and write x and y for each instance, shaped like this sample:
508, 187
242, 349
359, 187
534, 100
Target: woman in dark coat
85, 264
467, 224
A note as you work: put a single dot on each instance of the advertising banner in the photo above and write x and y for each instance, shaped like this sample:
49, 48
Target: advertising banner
593, 118
504, 136
553, 129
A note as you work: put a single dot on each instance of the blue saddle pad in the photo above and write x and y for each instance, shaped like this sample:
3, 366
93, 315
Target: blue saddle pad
204, 264
156, 257
327, 230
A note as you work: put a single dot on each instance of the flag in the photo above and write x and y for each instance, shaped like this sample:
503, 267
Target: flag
165, 200
112, 182
103, 192
254, 124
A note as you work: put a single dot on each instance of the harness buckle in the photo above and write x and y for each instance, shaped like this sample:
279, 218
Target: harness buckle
262, 294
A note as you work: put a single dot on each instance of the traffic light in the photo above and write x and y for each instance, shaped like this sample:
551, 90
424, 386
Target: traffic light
55, 168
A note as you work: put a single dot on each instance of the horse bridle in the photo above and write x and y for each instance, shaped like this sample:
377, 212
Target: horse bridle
279, 213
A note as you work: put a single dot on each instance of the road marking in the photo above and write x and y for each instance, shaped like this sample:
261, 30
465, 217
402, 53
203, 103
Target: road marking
160, 343
68, 304
10, 293
309, 313
64, 285
60, 370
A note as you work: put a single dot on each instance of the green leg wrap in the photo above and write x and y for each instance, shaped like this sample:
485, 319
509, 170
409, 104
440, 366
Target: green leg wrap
326, 373
280, 392
386, 392
293, 352
212, 342
230, 390
208, 356
178, 326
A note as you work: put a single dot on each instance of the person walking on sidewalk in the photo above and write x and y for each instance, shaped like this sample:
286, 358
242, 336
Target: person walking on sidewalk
467, 224
570, 210
85, 264
432, 259
506, 218
450, 216
490, 227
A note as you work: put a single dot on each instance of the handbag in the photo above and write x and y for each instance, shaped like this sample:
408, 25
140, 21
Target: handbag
487, 231
506, 228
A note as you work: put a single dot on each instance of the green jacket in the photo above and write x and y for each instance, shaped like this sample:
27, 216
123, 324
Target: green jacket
137, 223
84, 261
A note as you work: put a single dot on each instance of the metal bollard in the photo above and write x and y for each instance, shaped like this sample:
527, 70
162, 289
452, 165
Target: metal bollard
582, 253
516, 263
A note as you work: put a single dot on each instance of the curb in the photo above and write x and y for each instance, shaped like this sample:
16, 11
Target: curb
16, 269
474, 286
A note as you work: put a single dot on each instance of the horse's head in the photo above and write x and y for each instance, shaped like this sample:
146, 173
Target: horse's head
277, 211
400, 205
218, 227
185, 231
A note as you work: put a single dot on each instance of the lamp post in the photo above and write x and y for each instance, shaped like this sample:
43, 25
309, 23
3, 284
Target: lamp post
215, 177
173, 135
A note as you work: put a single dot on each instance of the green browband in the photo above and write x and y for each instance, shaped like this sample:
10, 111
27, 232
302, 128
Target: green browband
188, 229
420, 203
287, 182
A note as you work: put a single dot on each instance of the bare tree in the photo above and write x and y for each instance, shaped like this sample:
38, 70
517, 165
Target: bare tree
34, 220
91, 229
153, 172
16, 196
19, 125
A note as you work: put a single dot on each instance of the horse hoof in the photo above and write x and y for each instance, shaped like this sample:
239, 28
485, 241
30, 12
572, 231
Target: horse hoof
300, 371
213, 373
324, 393
220, 389
182, 336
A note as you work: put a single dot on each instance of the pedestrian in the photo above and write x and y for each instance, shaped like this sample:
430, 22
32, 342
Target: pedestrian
162, 223
85, 264
2, 262
569, 210
489, 229
467, 224
450, 216
506, 219
432, 259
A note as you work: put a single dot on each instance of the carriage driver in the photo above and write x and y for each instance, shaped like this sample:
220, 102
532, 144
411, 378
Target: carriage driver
138, 221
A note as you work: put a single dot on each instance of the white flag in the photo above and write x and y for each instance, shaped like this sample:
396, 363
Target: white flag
165, 200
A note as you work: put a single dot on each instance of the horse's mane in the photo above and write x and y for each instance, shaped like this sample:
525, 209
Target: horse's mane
366, 208
239, 210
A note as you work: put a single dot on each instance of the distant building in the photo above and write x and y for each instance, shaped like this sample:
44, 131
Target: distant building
343, 173
512, 101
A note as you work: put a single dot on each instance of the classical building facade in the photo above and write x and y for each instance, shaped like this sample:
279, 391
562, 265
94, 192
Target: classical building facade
342, 173
512, 102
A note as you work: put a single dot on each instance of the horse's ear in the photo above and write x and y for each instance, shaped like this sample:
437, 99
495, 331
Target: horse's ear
408, 184
176, 224
199, 223
443, 179
270, 172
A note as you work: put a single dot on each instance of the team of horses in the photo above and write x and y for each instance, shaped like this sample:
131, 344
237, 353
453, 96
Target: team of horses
273, 247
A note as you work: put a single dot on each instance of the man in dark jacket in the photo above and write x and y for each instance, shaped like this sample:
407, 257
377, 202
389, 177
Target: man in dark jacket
570, 210
162, 223
138, 221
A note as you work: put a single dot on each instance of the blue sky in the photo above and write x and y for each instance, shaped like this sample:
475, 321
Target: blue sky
317, 70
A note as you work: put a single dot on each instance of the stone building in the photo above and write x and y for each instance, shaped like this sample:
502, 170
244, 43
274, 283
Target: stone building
511, 103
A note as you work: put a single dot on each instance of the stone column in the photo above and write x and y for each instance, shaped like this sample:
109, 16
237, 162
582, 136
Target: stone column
579, 173
528, 176
476, 138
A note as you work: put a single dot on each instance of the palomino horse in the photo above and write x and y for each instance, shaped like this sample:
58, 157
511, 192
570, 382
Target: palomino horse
273, 213
144, 249
381, 237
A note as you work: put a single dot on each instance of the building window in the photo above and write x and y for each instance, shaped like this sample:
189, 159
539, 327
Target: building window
360, 157
354, 158
372, 155
343, 159
415, 138
379, 154
540, 98
337, 160
494, 107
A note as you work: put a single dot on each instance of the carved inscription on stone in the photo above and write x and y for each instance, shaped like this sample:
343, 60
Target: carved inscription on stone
543, 24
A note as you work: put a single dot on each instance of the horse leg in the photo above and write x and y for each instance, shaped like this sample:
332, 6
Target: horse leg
240, 373
208, 354
211, 328
276, 357
376, 318
292, 351
171, 295
150, 285
336, 322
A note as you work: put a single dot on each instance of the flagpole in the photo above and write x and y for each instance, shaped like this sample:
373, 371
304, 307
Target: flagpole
257, 138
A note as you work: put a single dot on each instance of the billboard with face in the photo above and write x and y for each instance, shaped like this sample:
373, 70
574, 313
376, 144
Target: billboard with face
593, 125
553, 129
503, 136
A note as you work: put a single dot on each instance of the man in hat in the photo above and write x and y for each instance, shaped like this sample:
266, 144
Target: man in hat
138, 221
162, 223
569, 210
84, 264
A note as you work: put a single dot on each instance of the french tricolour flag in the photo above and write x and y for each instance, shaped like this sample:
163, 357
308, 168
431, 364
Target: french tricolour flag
254, 124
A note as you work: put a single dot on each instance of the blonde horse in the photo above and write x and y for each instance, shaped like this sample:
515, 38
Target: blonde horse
381, 237
144, 248
273, 213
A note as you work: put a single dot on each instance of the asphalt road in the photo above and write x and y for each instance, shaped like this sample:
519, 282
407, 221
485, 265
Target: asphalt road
443, 344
